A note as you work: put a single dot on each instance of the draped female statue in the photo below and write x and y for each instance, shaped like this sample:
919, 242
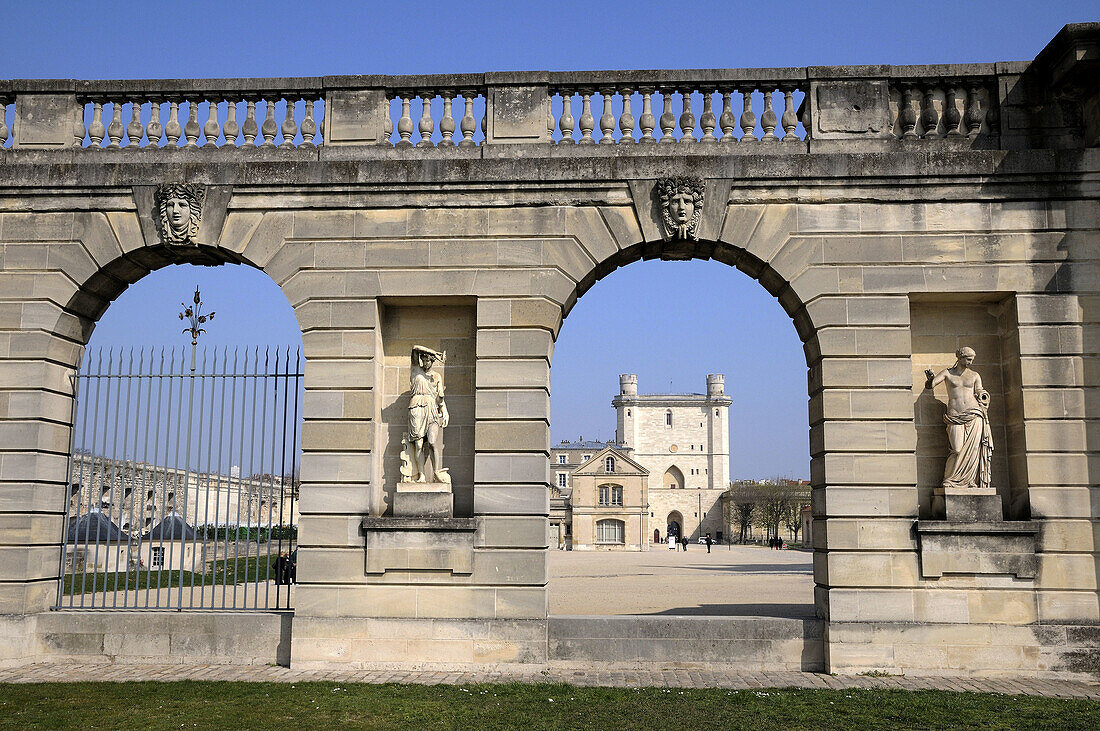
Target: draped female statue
968, 434
422, 457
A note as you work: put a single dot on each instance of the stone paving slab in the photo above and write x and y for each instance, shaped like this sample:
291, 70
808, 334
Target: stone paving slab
732, 678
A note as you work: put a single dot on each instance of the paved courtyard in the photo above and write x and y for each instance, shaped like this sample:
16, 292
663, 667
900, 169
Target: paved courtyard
731, 580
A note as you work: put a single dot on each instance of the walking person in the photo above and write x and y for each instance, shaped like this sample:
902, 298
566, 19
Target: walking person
684, 542
708, 542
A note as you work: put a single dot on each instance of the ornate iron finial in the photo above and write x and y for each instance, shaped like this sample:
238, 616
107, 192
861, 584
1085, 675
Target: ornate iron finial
193, 315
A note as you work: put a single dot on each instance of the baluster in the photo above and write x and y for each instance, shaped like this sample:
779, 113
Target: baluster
289, 128
387, 125
790, 117
191, 129
707, 120
550, 118
231, 129
134, 130
309, 126
951, 116
647, 123
484, 135
447, 124
4, 131
405, 124
173, 130
726, 120
626, 120
768, 119
250, 129
588, 123
154, 131
78, 124
426, 126
748, 117
468, 125
566, 123
268, 129
687, 119
607, 119
115, 129
668, 120
973, 118
96, 131
930, 118
907, 115
993, 117
212, 130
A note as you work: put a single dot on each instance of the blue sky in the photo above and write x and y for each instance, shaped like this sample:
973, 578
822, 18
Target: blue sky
671, 323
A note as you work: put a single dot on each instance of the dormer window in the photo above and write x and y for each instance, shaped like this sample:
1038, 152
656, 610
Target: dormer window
609, 464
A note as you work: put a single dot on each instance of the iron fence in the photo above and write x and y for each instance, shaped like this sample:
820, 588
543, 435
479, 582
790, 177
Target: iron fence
183, 480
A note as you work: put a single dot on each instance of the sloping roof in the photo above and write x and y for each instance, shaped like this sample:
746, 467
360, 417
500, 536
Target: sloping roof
172, 528
595, 465
93, 526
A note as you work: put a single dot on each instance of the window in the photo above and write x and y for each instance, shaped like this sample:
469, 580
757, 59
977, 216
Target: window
605, 495
668, 418
562, 479
609, 464
628, 412
561, 459
586, 457
157, 557
610, 531
616, 495
716, 412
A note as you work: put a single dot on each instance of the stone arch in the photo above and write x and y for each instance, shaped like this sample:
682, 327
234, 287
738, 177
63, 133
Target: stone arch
674, 520
673, 478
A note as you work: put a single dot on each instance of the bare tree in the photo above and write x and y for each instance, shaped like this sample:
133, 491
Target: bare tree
740, 507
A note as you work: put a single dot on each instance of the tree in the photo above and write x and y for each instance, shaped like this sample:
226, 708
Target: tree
739, 506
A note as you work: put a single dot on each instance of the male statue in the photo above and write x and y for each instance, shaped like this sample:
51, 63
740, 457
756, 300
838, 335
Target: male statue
428, 418
968, 434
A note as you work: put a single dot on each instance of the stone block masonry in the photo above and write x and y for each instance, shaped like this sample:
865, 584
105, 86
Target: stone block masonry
888, 210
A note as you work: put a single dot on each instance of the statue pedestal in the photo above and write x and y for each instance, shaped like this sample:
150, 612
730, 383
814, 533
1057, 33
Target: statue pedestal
419, 545
968, 505
423, 500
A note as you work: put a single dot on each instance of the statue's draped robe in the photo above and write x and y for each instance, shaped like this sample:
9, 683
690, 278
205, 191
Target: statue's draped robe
971, 444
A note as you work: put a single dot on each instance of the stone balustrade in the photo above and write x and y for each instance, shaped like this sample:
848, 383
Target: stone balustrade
712, 106
806, 109
941, 106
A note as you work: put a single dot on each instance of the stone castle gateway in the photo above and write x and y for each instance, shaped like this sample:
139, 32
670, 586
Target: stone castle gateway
896, 214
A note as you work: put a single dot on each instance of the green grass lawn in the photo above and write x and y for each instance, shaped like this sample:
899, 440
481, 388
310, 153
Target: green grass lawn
234, 571
317, 706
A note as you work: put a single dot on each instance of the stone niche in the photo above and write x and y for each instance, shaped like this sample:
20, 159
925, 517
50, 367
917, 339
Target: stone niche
986, 322
439, 323
966, 531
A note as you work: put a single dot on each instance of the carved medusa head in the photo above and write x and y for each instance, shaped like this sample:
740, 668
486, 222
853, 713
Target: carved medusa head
681, 205
178, 212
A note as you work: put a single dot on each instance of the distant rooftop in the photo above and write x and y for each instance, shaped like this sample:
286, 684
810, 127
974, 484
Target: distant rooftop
582, 443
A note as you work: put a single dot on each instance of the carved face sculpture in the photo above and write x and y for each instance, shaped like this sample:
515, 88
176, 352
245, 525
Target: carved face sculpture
179, 215
178, 212
966, 357
681, 206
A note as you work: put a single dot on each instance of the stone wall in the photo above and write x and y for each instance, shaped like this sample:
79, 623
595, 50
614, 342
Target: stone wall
861, 233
